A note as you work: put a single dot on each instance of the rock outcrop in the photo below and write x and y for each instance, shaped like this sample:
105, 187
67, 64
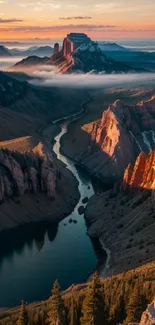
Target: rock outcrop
141, 175
125, 217
148, 317
26, 173
78, 54
88, 57
110, 144
34, 188
28, 64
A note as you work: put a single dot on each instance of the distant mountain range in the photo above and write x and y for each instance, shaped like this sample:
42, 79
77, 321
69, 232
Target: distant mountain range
112, 47
36, 50
94, 57
4, 52
29, 63
40, 51
88, 58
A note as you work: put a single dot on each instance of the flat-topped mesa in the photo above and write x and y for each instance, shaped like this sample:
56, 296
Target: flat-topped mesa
26, 173
141, 175
78, 39
148, 317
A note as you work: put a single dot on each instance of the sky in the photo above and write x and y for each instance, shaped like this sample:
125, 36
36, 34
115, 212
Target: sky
28, 19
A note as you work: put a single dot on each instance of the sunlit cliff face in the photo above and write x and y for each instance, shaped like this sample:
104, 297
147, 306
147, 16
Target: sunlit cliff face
142, 173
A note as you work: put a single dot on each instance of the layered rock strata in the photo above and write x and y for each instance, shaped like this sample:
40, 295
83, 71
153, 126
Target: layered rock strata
110, 144
33, 188
125, 217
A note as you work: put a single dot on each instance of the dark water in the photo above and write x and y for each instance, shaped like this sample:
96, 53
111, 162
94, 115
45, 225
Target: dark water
32, 257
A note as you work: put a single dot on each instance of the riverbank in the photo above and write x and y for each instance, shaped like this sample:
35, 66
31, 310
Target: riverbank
38, 207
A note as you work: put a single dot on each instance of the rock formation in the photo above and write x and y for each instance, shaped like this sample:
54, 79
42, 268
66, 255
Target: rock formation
126, 215
26, 173
78, 54
148, 317
34, 188
56, 48
110, 144
141, 175
78, 39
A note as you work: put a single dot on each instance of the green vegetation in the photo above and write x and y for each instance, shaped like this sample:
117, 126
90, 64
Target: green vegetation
115, 300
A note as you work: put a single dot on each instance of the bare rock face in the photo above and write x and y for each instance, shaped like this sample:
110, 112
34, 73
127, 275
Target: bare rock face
21, 173
62, 60
142, 173
115, 141
48, 176
148, 317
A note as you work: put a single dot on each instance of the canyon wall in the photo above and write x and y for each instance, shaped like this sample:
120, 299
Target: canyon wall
21, 173
110, 144
125, 217
34, 188
141, 175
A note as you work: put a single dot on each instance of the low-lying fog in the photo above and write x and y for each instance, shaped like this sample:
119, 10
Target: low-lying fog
49, 78
6, 62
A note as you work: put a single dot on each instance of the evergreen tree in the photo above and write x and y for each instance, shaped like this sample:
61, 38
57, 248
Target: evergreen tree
93, 305
73, 311
56, 314
23, 315
135, 306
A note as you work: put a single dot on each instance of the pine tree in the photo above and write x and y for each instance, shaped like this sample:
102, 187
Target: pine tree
135, 306
93, 305
56, 313
23, 315
73, 312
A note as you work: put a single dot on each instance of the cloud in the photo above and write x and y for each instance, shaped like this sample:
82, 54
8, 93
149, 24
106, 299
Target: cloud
50, 79
6, 21
40, 6
75, 27
73, 6
76, 17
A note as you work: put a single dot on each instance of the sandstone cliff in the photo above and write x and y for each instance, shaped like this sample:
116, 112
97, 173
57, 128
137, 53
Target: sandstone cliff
110, 144
125, 217
88, 57
21, 173
141, 175
34, 188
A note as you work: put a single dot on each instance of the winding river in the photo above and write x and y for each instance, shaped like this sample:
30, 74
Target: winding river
32, 257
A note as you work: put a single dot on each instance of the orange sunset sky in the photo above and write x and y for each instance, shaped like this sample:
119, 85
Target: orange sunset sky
26, 19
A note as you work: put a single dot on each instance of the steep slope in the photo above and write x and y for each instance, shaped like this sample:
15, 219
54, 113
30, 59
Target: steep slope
32, 188
110, 144
141, 175
4, 52
125, 217
89, 57
28, 64
120, 287
25, 108
111, 47
85, 59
